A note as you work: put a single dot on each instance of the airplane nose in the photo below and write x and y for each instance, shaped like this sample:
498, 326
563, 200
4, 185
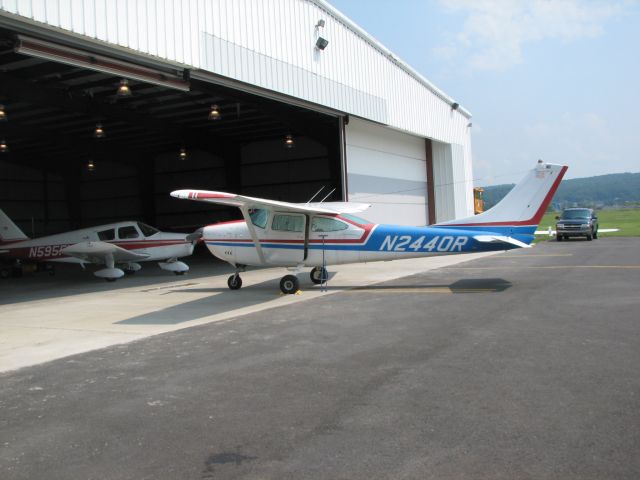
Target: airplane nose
180, 193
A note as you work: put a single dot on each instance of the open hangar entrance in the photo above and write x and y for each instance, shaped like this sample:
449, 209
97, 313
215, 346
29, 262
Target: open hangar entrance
57, 172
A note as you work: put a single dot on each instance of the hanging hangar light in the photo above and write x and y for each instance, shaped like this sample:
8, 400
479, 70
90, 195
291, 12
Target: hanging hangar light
99, 131
289, 142
214, 114
4, 148
3, 113
182, 155
123, 88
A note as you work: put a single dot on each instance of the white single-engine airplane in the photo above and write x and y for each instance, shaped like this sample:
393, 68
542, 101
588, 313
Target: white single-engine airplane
115, 245
298, 235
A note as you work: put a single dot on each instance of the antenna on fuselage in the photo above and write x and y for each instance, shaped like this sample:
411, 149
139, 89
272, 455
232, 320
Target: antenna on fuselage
315, 194
327, 195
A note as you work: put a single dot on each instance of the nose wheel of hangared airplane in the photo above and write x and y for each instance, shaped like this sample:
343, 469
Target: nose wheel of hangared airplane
319, 275
289, 284
234, 282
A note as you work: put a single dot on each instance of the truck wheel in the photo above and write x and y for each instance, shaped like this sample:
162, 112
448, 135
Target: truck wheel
595, 235
559, 238
590, 236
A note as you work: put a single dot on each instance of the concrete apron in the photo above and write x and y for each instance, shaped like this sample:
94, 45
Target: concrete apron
73, 320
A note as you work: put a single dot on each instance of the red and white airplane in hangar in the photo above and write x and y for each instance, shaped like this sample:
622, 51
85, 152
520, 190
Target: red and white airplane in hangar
114, 245
298, 235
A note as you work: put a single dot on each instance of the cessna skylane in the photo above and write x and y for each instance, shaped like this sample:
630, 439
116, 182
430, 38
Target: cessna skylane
298, 235
117, 246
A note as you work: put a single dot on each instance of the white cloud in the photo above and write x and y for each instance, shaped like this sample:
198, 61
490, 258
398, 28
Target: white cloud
495, 31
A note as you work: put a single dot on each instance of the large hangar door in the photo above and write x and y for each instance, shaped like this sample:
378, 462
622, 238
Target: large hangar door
387, 169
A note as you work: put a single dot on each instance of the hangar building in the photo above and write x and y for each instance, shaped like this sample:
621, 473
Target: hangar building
107, 106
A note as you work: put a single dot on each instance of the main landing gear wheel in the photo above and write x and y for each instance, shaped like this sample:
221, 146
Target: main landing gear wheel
234, 282
319, 275
289, 284
181, 272
129, 272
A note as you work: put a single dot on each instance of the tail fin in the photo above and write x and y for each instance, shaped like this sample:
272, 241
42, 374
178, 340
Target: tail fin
9, 231
524, 205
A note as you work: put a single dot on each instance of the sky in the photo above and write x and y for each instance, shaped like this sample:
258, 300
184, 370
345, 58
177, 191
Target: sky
554, 80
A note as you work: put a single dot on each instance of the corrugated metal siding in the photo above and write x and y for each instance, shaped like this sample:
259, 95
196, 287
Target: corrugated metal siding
269, 43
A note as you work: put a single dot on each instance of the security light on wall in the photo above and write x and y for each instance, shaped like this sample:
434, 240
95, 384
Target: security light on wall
454, 106
321, 43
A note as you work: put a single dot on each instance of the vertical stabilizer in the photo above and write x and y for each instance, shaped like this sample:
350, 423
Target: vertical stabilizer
9, 231
524, 205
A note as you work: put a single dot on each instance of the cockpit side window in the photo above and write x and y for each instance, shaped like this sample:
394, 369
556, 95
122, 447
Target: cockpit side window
106, 235
287, 223
128, 232
147, 230
259, 217
326, 224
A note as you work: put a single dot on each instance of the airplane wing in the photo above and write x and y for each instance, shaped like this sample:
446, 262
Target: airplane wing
500, 239
551, 232
240, 201
97, 252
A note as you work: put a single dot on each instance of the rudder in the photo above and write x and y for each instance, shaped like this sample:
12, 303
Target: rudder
9, 231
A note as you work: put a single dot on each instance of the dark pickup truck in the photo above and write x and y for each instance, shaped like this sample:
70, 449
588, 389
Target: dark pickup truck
577, 222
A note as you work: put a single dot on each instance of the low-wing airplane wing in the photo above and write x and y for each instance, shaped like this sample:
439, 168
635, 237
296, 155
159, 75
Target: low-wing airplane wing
552, 232
102, 252
246, 203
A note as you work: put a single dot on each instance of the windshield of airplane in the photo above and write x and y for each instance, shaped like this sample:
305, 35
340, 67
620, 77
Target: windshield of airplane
355, 219
259, 217
147, 230
575, 214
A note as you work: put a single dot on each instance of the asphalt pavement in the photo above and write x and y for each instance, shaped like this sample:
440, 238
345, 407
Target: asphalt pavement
515, 366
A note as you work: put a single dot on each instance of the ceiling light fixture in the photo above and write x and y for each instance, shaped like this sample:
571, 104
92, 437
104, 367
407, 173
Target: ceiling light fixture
288, 141
183, 154
4, 148
3, 114
214, 114
91, 166
123, 88
99, 131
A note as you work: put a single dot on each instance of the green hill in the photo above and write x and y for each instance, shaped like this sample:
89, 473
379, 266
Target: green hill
604, 190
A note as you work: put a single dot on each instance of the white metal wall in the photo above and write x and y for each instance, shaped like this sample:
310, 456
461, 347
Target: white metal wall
387, 169
270, 44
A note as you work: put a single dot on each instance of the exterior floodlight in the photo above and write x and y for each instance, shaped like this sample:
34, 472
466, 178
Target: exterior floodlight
3, 114
320, 24
454, 106
214, 114
321, 43
99, 131
4, 148
289, 142
123, 88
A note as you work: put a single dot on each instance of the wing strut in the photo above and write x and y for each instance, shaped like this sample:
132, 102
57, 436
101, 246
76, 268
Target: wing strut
253, 233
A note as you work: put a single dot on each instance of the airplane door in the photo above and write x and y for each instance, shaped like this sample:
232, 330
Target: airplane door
284, 243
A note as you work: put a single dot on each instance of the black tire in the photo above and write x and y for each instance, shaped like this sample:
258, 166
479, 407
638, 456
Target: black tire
234, 282
129, 272
180, 273
110, 279
595, 235
289, 284
319, 275
559, 238
590, 237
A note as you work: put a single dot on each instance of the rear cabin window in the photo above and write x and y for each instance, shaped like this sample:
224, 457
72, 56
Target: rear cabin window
288, 223
106, 235
147, 230
128, 232
259, 217
325, 224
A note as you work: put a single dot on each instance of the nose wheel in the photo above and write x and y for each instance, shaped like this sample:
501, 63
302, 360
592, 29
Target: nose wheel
289, 284
234, 282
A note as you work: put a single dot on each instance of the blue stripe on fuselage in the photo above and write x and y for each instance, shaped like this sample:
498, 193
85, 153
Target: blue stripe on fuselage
398, 238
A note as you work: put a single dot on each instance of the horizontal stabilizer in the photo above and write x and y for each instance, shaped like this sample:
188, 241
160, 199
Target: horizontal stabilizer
96, 252
551, 232
500, 239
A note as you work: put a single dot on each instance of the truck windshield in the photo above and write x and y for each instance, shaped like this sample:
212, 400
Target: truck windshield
574, 214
